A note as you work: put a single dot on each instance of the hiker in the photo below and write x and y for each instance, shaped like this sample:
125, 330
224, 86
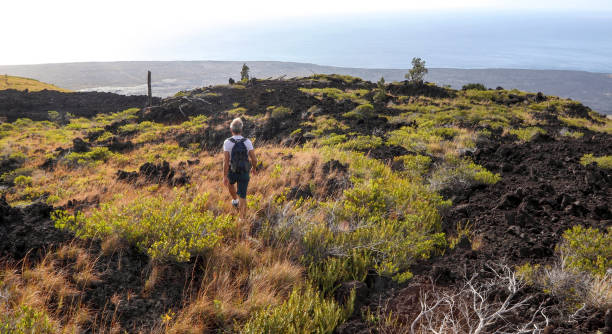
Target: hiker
237, 151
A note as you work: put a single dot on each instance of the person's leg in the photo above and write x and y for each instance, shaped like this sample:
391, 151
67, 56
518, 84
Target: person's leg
242, 206
243, 183
231, 186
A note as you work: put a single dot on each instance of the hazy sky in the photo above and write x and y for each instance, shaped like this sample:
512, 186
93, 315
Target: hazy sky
43, 31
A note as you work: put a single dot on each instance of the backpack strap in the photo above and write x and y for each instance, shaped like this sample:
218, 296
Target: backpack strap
242, 140
232, 140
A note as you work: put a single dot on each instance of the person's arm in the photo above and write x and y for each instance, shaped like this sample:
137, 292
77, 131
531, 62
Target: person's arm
253, 161
226, 163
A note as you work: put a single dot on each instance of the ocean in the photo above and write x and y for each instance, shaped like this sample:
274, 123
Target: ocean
530, 40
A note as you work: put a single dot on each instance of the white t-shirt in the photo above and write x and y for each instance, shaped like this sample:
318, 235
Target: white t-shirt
228, 145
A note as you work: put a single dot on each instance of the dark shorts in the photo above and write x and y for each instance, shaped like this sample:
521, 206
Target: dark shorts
243, 182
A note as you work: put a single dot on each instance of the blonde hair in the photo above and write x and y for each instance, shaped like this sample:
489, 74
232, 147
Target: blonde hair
236, 125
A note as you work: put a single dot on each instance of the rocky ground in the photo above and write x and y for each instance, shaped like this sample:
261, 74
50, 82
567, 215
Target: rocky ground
16, 104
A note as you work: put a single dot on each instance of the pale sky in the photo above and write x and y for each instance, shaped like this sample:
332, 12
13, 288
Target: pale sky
43, 31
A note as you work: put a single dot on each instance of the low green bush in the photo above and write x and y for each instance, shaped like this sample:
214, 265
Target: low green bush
128, 114
239, 111
26, 320
337, 94
526, 134
603, 161
460, 173
346, 78
325, 124
86, 158
279, 112
587, 249
475, 86
363, 111
22, 181
194, 124
573, 134
166, 229
384, 223
10, 177
414, 165
359, 143
306, 311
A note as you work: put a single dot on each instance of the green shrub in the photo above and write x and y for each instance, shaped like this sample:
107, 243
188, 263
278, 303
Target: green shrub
26, 320
306, 311
194, 124
381, 91
21, 123
604, 126
414, 165
587, 249
526, 134
6, 127
333, 140
338, 94
328, 77
135, 127
573, 134
85, 158
22, 181
20, 157
384, 223
359, 143
124, 115
415, 140
166, 229
603, 161
459, 173
279, 112
363, 111
325, 124
10, 177
475, 86
239, 111
54, 116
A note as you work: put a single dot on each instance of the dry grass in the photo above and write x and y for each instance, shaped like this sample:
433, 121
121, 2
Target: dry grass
49, 288
600, 292
20, 83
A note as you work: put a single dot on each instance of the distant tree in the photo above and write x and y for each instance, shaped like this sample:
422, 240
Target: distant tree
381, 93
231, 81
476, 86
244, 73
417, 72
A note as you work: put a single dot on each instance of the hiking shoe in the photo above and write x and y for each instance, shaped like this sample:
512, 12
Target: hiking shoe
235, 203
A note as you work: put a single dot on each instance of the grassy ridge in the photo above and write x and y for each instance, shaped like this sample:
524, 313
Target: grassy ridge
20, 83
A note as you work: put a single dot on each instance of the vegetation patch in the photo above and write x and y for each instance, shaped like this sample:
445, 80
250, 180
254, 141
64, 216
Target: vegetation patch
460, 173
362, 112
166, 230
306, 311
526, 134
602, 162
